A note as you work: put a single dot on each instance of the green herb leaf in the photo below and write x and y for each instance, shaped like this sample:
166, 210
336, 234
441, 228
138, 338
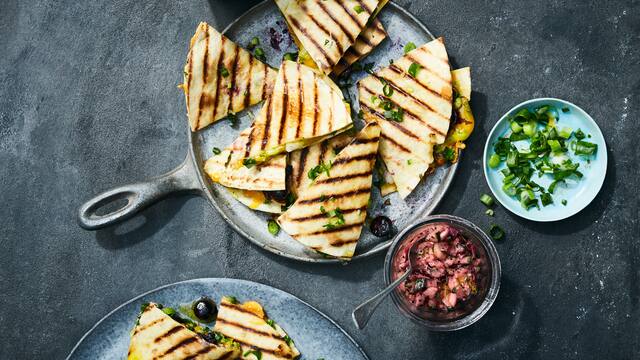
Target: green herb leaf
288, 340
496, 232
409, 46
358, 9
273, 227
216, 151
413, 69
223, 71
271, 323
317, 170
253, 43
292, 56
259, 53
387, 90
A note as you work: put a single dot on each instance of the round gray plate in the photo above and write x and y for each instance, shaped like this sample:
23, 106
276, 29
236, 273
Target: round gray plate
260, 21
315, 334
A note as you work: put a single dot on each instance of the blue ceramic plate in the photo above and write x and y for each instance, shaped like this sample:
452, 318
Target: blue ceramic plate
577, 193
316, 335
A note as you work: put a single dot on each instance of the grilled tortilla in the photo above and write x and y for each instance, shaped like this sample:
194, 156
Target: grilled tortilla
305, 162
157, 335
267, 176
327, 28
248, 325
370, 37
256, 200
425, 101
303, 109
221, 78
328, 214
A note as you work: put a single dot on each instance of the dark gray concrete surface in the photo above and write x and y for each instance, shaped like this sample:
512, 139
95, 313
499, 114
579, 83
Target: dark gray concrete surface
88, 101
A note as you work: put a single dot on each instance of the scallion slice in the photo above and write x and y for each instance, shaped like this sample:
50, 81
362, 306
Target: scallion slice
273, 227
494, 161
486, 199
496, 232
585, 148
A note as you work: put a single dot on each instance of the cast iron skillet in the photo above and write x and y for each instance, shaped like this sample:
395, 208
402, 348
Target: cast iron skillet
189, 177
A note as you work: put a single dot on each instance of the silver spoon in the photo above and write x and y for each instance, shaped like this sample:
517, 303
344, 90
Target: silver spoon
363, 312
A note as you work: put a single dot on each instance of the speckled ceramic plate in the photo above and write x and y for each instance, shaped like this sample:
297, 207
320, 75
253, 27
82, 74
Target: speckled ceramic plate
265, 18
265, 21
315, 334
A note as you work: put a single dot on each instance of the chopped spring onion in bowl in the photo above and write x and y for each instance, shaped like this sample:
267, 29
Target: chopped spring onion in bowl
538, 154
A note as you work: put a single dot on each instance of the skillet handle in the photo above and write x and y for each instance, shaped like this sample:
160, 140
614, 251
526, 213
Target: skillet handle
138, 196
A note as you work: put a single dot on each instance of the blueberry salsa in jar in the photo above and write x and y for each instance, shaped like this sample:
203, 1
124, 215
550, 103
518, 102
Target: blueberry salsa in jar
449, 271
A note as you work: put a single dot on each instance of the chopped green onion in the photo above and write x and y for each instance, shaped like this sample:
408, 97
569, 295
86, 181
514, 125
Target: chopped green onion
515, 127
565, 133
413, 69
256, 353
512, 159
565, 109
249, 162
410, 46
273, 227
546, 199
486, 199
579, 134
494, 161
254, 42
358, 9
259, 53
509, 189
529, 128
292, 56
555, 145
233, 119
216, 151
489, 212
585, 148
527, 198
496, 232
224, 72
387, 90
564, 202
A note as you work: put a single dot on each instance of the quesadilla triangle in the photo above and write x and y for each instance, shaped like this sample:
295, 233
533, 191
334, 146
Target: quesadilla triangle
302, 110
411, 100
259, 337
157, 335
310, 162
267, 176
327, 28
329, 213
220, 78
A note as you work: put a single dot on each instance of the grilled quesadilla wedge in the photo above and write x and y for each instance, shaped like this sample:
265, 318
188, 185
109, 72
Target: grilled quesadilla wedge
310, 162
327, 28
302, 110
259, 337
329, 213
158, 335
267, 176
221, 78
387, 186
411, 100
461, 127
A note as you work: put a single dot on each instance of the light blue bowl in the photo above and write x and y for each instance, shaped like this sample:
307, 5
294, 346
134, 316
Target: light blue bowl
577, 193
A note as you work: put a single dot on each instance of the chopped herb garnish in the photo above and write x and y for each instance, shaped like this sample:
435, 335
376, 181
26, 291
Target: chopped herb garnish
288, 340
486, 199
231, 299
579, 134
233, 119
223, 71
317, 170
336, 218
584, 148
409, 46
409, 162
169, 311
387, 90
326, 42
249, 162
253, 43
413, 69
216, 151
368, 68
496, 232
256, 353
489, 212
271, 323
448, 154
273, 227
546, 199
565, 109
564, 202
293, 56
358, 9
259, 53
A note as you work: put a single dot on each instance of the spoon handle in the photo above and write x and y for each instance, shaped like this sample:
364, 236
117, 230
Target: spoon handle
363, 312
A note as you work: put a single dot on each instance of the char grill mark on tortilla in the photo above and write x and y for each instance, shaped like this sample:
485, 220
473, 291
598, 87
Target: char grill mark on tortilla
325, 60
425, 99
210, 95
332, 208
157, 336
335, 20
320, 26
370, 37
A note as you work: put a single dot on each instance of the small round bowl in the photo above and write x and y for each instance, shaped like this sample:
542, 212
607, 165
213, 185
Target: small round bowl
479, 304
578, 194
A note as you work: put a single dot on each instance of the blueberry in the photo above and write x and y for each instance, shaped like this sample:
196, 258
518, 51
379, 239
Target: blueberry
278, 195
381, 226
205, 309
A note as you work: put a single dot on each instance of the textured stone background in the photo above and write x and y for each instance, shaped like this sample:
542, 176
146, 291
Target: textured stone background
88, 100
